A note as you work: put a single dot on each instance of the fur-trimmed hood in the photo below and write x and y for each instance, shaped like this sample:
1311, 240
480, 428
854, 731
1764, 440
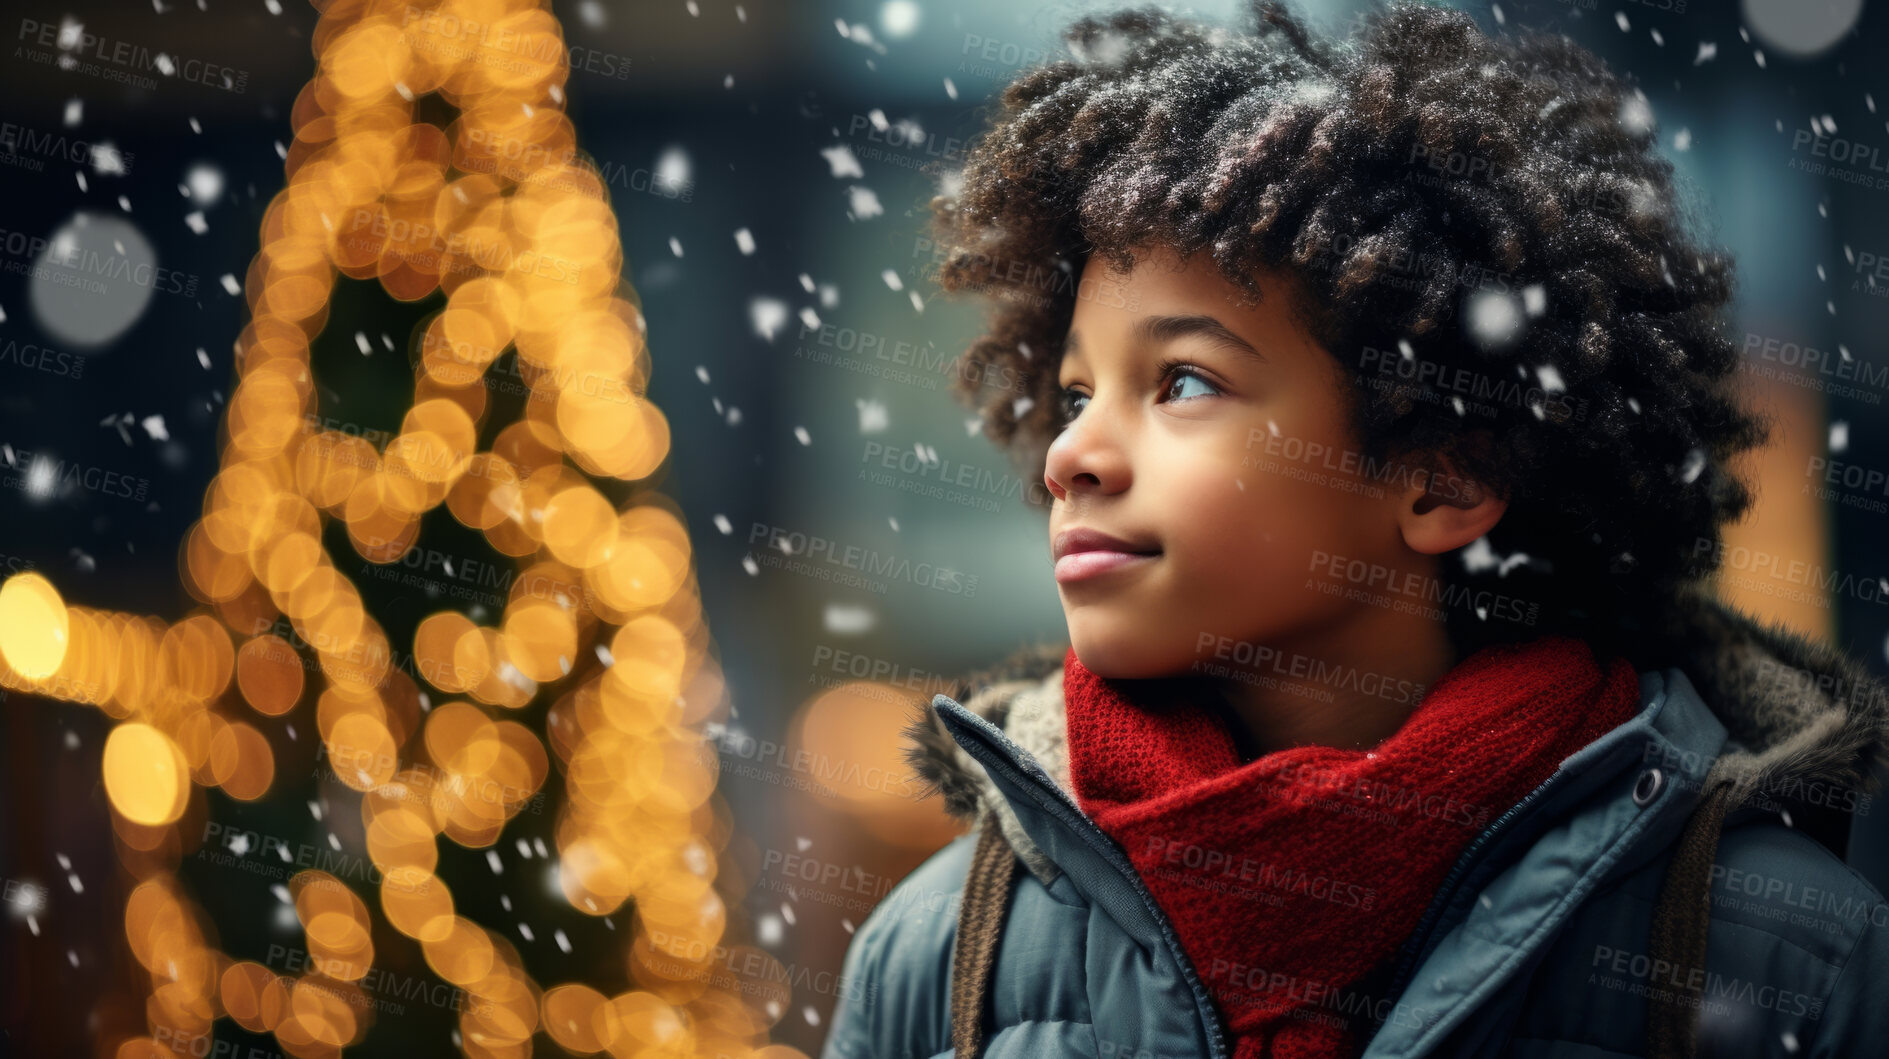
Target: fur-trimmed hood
1800, 714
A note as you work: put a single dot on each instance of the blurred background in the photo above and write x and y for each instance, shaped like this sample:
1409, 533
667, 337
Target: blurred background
769, 165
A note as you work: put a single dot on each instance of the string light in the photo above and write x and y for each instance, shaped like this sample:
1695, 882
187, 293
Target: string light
498, 213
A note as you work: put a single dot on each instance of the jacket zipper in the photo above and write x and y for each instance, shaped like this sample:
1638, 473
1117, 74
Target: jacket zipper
1066, 808
1446, 894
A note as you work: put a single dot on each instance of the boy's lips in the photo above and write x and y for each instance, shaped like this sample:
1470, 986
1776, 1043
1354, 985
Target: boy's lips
1079, 566
1083, 552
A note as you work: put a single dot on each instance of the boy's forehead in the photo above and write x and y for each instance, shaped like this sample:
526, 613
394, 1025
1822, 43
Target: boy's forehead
1158, 327
1162, 278
1171, 296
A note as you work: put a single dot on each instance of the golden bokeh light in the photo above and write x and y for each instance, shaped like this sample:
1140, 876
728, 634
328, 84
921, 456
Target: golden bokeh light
145, 774
495, 216
33, 626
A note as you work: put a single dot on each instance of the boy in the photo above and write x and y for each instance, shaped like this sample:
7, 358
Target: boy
1385, 411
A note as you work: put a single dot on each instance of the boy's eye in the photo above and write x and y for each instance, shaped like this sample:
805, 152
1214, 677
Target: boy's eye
1179, 375
1070, 407
1184, 375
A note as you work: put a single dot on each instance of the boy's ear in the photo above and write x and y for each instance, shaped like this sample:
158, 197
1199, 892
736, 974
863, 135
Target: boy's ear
1442, 509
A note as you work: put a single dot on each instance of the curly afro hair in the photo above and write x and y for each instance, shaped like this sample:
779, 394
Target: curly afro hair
1480, 228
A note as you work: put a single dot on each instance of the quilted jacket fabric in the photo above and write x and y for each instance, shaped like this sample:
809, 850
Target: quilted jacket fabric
1539, 945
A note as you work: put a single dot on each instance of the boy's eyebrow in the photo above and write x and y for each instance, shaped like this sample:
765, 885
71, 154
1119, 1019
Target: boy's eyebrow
1156, 330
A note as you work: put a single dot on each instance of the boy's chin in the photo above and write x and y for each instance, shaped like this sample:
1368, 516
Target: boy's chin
1123, 661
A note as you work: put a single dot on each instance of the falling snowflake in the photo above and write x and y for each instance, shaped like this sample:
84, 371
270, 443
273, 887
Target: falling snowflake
1495, 318
862, 203
672, 170
767, 314
899, 18
1478, 556
848, 619
1636, 114
1695, 464
203, 184
842, 161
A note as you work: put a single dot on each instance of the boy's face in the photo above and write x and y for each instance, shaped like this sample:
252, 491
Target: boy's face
1237, 469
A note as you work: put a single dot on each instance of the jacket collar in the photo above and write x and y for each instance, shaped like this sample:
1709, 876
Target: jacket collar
1803, 719
1762, 709
1484, 929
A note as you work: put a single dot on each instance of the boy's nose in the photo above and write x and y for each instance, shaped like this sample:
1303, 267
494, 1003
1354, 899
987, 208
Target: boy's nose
1085, 468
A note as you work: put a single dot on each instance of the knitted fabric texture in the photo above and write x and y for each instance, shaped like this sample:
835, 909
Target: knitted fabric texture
1292, 877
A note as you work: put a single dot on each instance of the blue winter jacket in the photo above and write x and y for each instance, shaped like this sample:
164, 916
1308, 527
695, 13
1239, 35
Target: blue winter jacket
1661, 894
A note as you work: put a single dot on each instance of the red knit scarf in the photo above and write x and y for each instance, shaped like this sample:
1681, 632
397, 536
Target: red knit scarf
1292, 876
